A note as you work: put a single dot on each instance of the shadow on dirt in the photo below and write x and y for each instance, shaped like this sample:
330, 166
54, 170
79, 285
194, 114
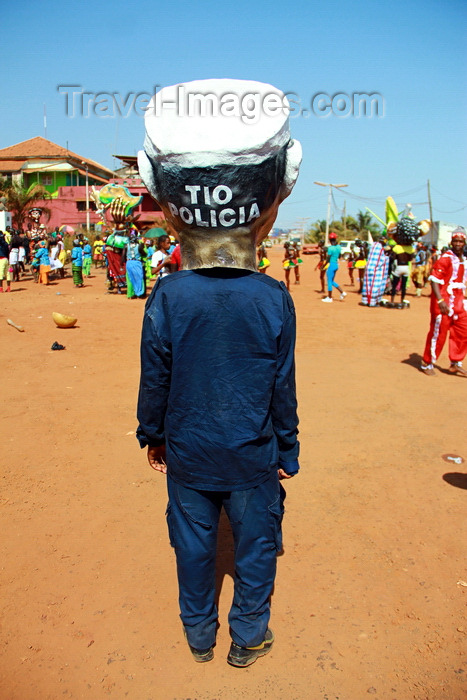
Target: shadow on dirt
456, 479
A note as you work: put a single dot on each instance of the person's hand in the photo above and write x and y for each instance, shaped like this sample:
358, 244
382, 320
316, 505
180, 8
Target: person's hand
117, 211
167, 260
156, 458
284, 475
443, 307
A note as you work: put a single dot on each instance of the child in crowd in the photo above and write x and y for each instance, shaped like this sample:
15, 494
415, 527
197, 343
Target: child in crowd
77, 263
87, 258
41, 255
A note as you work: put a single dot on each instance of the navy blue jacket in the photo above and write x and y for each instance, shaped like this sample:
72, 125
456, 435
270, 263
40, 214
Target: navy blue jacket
218, 378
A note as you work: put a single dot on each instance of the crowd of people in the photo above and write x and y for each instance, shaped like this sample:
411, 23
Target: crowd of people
43, 253
382, 267
131, 261
387, 265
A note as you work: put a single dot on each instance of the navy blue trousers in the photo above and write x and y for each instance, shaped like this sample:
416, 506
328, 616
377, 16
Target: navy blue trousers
255, 516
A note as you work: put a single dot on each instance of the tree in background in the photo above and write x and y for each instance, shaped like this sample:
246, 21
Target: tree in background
19, 199
362, 224
355, 227
316, 232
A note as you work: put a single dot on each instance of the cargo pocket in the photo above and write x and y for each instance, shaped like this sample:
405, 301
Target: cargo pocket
169, 518
276, 513
195, 514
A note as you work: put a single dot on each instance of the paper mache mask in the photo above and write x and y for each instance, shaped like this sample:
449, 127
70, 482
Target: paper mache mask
219, 160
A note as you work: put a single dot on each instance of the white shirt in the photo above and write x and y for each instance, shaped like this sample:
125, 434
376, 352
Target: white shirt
156, 260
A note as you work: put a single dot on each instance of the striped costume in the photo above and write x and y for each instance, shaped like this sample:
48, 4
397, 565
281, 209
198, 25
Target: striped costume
376, 275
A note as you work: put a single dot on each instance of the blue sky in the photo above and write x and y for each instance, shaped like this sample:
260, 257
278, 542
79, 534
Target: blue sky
412, 53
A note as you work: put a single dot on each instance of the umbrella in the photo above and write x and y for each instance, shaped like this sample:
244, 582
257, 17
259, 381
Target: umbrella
66, 229
154, 233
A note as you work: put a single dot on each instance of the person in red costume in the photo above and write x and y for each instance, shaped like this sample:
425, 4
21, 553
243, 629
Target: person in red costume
448, 313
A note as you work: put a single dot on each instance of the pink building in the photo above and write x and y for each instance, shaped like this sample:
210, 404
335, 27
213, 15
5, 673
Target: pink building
64, 174
69, 206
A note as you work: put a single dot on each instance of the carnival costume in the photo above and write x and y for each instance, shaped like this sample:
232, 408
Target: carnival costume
217, 371
450, 274
376, 275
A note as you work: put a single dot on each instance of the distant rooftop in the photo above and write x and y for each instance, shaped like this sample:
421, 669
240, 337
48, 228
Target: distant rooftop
41, 148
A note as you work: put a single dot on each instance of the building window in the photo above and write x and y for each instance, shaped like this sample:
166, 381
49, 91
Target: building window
81, 206
8, 176
47, 180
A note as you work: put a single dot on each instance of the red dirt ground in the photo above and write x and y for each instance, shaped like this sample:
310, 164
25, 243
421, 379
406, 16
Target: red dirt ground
371, 589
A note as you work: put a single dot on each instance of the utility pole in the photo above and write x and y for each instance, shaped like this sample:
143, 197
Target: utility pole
344, 218
87, 194
432, 224
328, 215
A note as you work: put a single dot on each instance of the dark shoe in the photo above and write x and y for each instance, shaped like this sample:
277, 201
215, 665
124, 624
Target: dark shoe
245, 656
201, 655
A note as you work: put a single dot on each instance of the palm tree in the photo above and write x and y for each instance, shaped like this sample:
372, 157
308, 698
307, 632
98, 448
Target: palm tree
316, 232
19, 199
362, 224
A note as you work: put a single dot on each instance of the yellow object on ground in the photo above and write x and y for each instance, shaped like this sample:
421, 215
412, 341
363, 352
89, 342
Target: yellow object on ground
63, 321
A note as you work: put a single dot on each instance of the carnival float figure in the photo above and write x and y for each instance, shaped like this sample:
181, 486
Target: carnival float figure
217, 406
390, 260
36, 230
402, 254
219, 189
118, 202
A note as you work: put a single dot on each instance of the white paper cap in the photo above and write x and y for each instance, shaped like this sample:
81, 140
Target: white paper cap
209, 122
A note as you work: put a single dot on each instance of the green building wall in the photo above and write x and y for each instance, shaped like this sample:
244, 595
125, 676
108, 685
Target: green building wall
59, 179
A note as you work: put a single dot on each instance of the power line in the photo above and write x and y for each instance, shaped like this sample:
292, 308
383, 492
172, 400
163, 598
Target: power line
450, 211
382, 200
451, 198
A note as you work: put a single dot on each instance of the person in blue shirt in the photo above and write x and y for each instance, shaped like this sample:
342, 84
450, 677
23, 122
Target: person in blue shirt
332, 262
77, 263
133, 256
41, 256
217, 405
